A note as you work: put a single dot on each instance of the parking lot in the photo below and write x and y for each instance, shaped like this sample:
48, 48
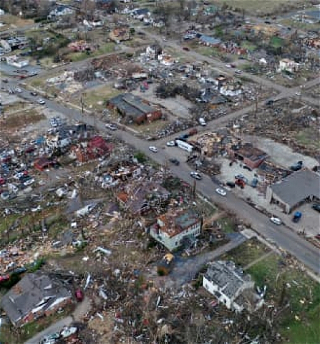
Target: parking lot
310, 220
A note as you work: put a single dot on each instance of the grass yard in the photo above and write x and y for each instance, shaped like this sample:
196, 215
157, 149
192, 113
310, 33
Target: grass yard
260, 7
289, 289
286, 284
247, 252
248, 45
21, 118
227, 225
308, 137
277, 42
79, 56
96, 98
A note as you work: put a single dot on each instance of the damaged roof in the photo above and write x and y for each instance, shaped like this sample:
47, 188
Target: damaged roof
35, 292
131, 105
176, 222
227, 276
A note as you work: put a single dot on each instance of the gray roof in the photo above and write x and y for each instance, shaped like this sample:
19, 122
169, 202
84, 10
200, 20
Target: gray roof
131, 105
297, 187
28, 294
210, 40
227, 277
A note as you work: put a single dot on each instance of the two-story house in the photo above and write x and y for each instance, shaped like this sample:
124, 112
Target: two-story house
173, 227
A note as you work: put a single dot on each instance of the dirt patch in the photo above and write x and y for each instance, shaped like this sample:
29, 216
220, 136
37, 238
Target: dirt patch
20, 119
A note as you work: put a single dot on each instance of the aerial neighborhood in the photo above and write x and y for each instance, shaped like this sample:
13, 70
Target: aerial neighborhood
159, 171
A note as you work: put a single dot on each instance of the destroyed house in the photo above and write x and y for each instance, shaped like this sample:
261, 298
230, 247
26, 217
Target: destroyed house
36, 295
294, 190
174, 228
249, 155
134, 109
228, 284
143, 198
42, 163
95, 148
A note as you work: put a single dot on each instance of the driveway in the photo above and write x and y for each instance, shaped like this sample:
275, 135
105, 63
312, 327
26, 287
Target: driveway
185, 269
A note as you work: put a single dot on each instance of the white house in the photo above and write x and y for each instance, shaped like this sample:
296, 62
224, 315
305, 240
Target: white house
173, 228
229, 285
60, 11
14, 61
288, 65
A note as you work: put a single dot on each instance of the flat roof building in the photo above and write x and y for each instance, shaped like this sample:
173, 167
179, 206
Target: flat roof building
294, 190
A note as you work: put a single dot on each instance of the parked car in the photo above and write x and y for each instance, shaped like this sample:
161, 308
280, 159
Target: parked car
41, 101
221, 192
254, 182
297, 166
275, 220
34, 93
231, 184
28, 182
186, 48
153, 149
247, 168
316, 207
175, 161
79, 295
171, 143
196, 175
297, 216
111, 126
202, 122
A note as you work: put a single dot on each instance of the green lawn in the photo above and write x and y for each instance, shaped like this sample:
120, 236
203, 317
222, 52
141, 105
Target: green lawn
104, 49
299, 323
292, 292
248, 45
247, 252
227, 225
276, 42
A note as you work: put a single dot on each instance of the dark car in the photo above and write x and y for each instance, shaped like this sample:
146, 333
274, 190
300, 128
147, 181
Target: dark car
297, 166
297, 216
34, 93
247, 168
175, 161
231, 184
316, 207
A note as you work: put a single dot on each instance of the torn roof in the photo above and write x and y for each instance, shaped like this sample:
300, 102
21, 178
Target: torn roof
227, 277
175, 222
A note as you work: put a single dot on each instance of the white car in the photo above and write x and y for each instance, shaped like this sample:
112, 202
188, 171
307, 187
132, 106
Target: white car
275, 220
195, 175
298, 94
171, 143
221, 192
28, 182
153, 149
17, 89
41, 101
111, 126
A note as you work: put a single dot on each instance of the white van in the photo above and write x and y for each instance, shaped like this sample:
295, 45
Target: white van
184, 145
202, 121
